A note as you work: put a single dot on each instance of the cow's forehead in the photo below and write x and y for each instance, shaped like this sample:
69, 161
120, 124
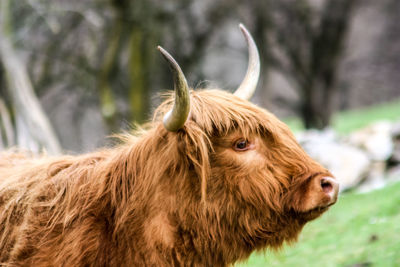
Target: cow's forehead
216, 110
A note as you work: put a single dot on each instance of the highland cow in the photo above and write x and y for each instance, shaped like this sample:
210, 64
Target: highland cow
214, 181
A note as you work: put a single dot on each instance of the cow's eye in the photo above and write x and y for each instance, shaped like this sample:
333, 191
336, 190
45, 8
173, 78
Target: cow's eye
241, 145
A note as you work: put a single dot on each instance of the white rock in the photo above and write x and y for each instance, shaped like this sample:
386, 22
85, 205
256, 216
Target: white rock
375, 139
375, 179
347, 163
393, 175
325, 135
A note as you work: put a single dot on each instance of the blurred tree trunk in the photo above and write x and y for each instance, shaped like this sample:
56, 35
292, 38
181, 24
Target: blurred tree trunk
139, 87
126, 35
313, 53
327, 47
32, 128
6, 128
107, 98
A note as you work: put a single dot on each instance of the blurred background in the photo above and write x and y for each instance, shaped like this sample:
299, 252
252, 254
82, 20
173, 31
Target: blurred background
74, 72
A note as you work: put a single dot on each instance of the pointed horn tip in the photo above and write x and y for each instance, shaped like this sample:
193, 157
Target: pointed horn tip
243, 28
167, 56
247, 36
160, 48
163, 51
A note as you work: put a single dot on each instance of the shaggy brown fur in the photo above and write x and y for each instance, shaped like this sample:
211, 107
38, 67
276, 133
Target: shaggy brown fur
162, 198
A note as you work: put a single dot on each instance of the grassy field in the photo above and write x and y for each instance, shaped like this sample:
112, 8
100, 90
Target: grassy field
347, 121
360, 230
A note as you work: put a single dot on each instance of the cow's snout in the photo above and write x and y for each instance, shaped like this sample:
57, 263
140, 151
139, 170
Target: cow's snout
330, 187
319, 193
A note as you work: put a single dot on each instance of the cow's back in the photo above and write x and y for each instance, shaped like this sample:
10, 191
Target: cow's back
45, 217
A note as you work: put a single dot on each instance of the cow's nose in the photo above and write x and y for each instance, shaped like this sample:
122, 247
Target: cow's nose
330, 187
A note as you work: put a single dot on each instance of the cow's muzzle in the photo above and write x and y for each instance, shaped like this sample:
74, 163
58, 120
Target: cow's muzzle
319, 192
330, 187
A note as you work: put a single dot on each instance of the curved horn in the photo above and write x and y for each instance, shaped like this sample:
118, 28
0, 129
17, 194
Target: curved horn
249, 83
177, 116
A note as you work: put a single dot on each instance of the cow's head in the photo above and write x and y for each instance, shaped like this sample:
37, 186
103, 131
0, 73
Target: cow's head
251, 184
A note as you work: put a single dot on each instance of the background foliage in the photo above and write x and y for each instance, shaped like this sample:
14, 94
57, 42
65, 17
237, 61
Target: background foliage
94, 67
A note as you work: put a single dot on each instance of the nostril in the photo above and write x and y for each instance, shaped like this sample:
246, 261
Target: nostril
326, 185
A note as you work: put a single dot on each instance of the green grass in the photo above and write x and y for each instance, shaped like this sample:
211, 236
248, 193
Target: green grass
360, 229
347, 121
